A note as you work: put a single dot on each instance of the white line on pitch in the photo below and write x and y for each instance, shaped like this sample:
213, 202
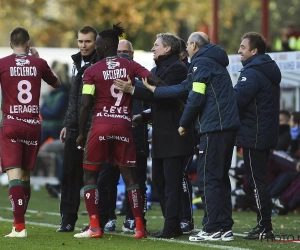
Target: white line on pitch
128, 235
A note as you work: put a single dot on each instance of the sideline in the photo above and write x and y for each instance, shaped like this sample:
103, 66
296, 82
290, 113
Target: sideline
150, 238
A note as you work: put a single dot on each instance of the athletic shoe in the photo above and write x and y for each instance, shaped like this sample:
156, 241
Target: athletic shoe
227, 236
260, 232
128, 226
16, 234
110, 226
65, 229
90, 233
187, 227
140, 234
202, 235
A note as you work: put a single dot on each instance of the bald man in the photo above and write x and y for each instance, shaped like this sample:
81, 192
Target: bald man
212, 108
125, 47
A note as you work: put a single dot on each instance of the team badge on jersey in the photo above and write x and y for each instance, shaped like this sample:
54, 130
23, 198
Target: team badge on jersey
22, 61
111, 64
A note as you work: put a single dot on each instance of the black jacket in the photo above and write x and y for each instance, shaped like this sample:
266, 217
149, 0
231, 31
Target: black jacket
215, 109
166, 141
71, 120
140, 132
284, 138
258, 93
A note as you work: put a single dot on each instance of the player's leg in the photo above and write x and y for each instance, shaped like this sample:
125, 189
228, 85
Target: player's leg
16, 197
26, 188
28, 162
91, 198
135, 199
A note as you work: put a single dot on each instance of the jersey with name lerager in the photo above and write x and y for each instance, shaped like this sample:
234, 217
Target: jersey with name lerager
20, 78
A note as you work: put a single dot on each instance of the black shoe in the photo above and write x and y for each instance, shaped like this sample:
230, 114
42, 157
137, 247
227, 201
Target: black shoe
187, 227
260, 232
65, 229
167, 233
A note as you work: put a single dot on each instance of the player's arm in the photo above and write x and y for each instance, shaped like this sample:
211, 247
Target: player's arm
58, 82
87, 98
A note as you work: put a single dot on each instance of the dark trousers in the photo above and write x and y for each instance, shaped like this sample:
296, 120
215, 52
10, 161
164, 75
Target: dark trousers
72, 180
167, 178
186, 193
256, 165
215, 155
107, 188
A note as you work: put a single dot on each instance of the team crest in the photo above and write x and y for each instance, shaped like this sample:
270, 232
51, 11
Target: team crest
22, 62
111, 64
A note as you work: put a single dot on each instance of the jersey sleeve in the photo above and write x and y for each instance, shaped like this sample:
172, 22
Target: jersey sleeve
87, 78
140, 71
47, 75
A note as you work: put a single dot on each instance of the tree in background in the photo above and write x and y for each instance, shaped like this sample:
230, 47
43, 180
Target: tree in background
54, 23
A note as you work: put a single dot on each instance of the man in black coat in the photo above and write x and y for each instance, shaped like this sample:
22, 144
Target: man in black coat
170, 152
211, 105
258, 93
72, 174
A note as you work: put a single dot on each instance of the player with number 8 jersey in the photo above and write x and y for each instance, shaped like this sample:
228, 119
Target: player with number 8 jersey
20, 78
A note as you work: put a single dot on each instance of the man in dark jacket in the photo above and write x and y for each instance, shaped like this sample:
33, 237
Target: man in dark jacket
170, 152
72, 175
211, 98
257, 93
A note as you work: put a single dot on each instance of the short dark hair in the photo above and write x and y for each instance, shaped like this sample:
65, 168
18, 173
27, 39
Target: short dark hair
88, 29
256, 41
19, 36
171, 40
285, 113
182, 45
112, 35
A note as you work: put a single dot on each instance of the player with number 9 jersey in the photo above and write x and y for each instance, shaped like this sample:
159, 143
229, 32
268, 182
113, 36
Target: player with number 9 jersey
112, 114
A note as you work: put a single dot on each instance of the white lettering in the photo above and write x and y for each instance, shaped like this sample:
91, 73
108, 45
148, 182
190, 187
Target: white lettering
114, 109
23, 71
30, 143
16, 109
114, 74
117, 137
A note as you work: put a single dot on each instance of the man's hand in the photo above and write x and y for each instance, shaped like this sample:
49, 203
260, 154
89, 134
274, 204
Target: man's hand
34, 52
181, 131
80, 142
124, 86
62, 135
147, 85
